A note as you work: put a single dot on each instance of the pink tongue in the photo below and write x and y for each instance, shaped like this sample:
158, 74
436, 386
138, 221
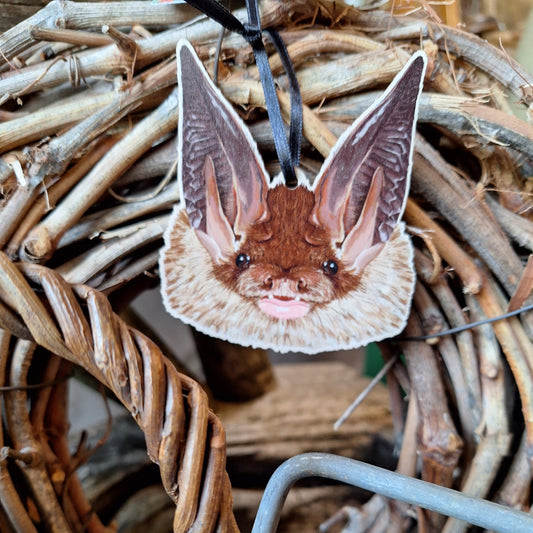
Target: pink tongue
283, 308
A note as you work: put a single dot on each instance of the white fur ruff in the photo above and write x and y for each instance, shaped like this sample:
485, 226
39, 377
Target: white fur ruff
376, 310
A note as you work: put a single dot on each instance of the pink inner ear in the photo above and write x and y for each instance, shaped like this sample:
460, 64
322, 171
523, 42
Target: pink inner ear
329, 209
250, 199
358, 248
218, 239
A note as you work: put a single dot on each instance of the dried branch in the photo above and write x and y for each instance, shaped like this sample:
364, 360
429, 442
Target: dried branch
474, 50
11, 503
493, 432
464, 374
83, 267
20, 430
43, 239
462, 264
53, 194
136, 371
59, 14
439, 444
441, 185
520, 229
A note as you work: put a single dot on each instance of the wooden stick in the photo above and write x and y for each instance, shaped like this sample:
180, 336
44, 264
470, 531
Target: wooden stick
53, 195
441, 185
439, 444
494, 433
77, 37
524, 287
82, 268
85, 15
519, 228
450, 251
517, 359
317, 42
11, 503
475, 50
20, 430
43, 239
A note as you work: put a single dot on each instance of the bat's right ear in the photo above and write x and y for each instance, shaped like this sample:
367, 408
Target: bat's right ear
222, 179
362, 188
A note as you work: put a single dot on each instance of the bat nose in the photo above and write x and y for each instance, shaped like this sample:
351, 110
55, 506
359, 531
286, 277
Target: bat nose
284, 285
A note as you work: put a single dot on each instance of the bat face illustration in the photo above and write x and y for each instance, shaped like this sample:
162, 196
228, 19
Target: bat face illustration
318, 267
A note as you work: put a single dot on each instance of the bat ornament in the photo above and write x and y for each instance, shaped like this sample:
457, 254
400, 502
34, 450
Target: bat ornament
318, 267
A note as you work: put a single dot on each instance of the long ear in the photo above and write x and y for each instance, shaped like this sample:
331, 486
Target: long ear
221, 175
363, 185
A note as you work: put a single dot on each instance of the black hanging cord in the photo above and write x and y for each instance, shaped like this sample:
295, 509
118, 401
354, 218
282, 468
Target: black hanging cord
288, 156
296, 121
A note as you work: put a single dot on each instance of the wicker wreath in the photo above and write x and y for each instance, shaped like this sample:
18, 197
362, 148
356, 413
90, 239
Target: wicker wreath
87, 149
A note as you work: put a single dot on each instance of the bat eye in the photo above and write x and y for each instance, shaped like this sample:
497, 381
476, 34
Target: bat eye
330, 267
243, 261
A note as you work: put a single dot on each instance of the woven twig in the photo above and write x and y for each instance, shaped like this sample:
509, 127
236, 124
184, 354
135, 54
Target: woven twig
469, 212
183, 437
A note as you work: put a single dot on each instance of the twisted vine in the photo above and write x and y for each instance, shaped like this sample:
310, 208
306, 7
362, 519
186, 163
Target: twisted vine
183, 436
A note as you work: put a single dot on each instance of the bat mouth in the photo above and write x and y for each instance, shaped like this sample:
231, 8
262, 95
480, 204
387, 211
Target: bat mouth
284, 307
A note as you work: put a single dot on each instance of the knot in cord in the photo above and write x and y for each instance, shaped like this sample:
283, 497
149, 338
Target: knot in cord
253, 34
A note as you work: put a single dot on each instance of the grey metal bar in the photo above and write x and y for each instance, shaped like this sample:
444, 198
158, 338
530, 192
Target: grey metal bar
448, 502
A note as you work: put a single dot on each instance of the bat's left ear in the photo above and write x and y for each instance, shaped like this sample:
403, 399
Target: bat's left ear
222, 179
361, 191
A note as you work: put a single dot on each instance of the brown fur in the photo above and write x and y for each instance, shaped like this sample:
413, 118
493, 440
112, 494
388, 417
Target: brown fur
376, 309
287, 249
